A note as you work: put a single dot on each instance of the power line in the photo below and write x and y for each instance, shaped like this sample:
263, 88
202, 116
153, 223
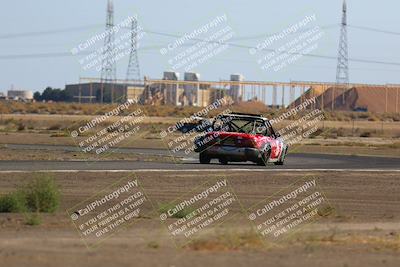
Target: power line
264, 35
373, 30
312, 67
94, 26
49, 32
275, 50
257, 36
39, 55
68, 54
64, 54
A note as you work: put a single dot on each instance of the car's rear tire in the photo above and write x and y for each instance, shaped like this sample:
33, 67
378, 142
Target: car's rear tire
204, 158
223, 161
281, 161
263, 161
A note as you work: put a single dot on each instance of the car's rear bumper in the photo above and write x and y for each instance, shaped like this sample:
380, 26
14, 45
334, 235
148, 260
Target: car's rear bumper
233, 153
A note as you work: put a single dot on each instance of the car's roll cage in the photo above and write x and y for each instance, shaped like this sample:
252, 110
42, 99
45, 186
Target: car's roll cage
233, 127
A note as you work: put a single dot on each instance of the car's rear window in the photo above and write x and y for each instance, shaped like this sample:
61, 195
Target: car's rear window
242, 125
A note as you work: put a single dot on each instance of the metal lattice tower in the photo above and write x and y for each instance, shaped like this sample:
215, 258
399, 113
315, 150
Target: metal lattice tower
109, 69
133, 72
342, 70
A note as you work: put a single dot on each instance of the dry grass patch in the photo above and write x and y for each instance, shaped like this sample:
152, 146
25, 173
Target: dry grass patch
227, 241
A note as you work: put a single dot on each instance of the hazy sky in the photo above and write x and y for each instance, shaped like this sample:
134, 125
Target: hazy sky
25, 27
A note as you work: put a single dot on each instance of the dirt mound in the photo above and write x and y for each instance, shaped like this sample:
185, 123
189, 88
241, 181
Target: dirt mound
308, 94
369, 98
254, 106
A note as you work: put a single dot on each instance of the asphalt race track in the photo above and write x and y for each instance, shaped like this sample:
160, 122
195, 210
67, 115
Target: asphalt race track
293, 162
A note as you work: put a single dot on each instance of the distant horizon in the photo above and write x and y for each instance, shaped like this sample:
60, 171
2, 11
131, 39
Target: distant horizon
36, 50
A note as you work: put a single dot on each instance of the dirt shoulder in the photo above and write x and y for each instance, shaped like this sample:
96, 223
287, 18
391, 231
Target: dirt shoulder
363, 230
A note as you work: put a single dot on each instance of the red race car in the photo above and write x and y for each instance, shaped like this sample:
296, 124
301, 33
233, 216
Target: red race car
238, 137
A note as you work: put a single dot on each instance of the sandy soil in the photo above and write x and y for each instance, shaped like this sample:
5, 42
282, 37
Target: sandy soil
344, 146
395, 126
61, 155
363, 230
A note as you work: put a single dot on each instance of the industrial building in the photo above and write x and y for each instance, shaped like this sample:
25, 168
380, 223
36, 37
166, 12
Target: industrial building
187, 92
97, 92
168, 91
191, 91
236, 91
24, 95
